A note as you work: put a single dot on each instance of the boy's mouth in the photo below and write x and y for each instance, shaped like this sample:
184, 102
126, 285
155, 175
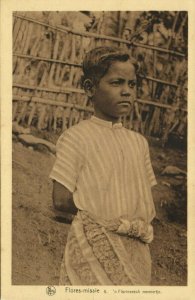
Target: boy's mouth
124, 103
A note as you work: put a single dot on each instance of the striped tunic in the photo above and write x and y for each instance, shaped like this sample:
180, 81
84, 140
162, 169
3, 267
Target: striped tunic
107, 168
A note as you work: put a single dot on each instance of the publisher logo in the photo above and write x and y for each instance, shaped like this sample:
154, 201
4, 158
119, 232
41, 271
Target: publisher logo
50, 290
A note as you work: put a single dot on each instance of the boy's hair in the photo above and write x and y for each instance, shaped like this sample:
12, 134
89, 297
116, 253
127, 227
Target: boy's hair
98, 60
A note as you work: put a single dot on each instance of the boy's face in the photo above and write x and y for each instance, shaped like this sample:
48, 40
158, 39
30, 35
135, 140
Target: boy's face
114, 95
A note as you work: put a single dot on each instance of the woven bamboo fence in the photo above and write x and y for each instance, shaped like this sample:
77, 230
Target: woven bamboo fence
46, 79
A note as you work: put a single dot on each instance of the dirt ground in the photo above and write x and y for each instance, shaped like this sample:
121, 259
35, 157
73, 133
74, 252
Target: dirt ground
39, 235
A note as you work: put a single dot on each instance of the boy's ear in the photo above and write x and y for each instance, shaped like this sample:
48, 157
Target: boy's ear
89, 87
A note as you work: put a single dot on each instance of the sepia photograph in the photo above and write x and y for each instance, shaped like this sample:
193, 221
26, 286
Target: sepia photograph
99, 148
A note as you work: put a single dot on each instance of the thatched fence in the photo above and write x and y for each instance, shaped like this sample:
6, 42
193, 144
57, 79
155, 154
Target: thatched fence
47, 70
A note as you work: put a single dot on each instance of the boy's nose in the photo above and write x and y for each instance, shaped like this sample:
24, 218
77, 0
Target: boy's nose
126, 91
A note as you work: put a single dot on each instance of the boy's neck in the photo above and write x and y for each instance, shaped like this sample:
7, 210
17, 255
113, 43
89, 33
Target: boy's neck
107, 118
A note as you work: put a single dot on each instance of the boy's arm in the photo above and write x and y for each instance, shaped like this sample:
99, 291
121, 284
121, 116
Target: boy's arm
63, 199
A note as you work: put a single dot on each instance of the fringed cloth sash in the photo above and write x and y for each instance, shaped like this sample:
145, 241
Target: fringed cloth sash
100, 252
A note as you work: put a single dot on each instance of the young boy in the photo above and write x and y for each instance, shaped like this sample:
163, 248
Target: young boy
103, 174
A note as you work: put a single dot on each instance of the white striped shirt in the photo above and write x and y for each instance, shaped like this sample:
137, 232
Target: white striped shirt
107, 168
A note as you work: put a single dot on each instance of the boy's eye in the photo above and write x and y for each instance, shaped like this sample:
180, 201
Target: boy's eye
115, 83
132, 84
